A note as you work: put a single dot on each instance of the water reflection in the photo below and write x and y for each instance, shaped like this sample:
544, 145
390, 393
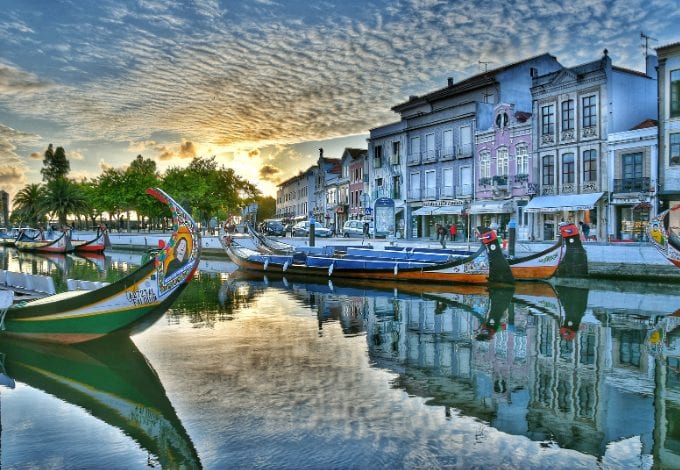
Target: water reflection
111, 380
593, 370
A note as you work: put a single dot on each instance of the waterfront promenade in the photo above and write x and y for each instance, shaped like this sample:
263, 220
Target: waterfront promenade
627, 261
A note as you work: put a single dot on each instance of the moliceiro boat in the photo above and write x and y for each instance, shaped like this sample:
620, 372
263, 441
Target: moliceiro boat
536, 266
133, 301
663, 238
487, 265
37, 240
98, 244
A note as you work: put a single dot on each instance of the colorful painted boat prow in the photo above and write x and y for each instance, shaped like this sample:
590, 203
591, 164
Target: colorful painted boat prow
664, 239
574, 262
132, 302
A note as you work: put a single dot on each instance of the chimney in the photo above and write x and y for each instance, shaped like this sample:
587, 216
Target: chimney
450, 81
321, 153
533, 71
651, 63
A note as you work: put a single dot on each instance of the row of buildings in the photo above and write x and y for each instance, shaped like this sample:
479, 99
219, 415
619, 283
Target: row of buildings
528, 144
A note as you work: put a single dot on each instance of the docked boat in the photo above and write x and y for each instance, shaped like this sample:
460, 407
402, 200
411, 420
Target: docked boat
111, 380
663, 238
536, 266
8, 236
138, 298
38, 240
98, 244
487, 265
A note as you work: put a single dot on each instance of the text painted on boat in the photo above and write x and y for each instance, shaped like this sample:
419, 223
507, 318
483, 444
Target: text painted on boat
141, 296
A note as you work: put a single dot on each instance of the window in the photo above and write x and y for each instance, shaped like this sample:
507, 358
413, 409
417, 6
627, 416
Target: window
502, 120
466, 140
429, 146
549, 170
589, 111
632, 166
567, 115
674, 148
447, 182
568, 168
414, 186
447, 143
675, 93
484, 164
465, 181
378, 154
378, 181
502, 161
522, 160
547, 119
396, 149
415, 146
430, 184
589, 165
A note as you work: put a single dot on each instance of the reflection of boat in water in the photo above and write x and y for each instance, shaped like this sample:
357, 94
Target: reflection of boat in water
112, 381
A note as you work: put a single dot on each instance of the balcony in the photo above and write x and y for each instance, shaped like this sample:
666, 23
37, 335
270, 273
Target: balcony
447, 192
632, 185
429, 156
465, 150
413, 159
486, 181
447, 153
521, 178
500, 180
430, 193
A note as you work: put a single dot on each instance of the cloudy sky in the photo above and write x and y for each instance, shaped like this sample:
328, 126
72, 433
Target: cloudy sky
262, 84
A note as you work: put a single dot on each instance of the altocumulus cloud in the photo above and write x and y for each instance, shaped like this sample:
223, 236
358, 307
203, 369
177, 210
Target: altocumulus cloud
264, 73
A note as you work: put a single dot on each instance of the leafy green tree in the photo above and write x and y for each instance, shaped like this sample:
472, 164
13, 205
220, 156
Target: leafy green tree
138, 177
55, 164
110, 184
266, 207
29, 205
208, 189
63, 197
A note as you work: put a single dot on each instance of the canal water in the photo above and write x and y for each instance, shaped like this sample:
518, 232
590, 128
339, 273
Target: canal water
252, 371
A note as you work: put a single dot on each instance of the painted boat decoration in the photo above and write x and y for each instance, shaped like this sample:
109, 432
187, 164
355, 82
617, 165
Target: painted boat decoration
84, 315
111, 380
486, 265
98, 244
37, 240
664, 239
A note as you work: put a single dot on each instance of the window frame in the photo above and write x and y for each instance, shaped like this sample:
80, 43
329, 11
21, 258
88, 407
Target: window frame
674, 93
568, 168
568, 115
548, 170
589, 111
548, 119
589, 166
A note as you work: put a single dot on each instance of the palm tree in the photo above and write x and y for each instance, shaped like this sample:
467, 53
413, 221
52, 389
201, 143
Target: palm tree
28, 204
63, 197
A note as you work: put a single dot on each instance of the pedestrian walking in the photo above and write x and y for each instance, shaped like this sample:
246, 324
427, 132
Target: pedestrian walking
585, 230
452, 231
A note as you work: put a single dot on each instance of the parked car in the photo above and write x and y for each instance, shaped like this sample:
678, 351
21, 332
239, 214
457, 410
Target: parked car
355, 228
273, 227
301, 229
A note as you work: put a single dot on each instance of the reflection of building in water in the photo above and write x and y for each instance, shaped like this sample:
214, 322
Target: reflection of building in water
586, 391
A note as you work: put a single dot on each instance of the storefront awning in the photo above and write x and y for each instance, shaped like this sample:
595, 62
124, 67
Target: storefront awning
570, 202
449, 210
425, 210
491, 207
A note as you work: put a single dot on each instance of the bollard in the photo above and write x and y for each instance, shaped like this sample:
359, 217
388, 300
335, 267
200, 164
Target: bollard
512, 227
311, 231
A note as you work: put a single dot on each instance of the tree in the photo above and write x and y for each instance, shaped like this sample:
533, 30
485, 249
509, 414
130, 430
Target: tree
55, 164
266, 207
138, 177
28, 204
208, 189
63, 197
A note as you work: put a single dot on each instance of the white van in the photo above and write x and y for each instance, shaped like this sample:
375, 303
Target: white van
355, 228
